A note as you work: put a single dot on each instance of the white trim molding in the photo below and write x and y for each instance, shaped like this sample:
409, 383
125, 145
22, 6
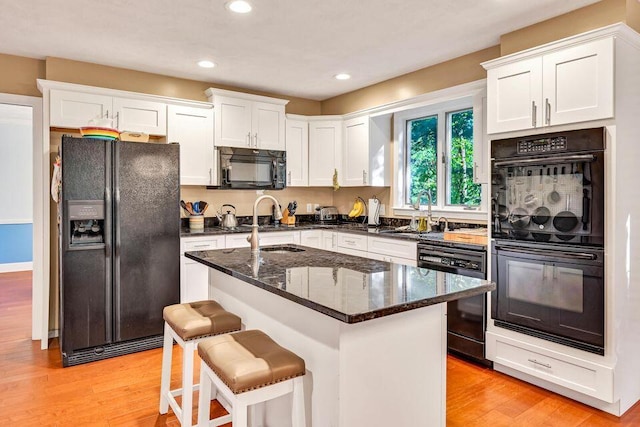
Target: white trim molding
40, 263
16, 266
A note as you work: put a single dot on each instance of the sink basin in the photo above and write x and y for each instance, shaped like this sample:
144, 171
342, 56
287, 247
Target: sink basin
281, 249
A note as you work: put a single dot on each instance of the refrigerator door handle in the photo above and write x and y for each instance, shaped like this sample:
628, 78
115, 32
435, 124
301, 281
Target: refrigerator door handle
107, 229
116, 244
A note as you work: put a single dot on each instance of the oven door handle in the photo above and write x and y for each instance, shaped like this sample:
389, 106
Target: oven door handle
560, 254
546, 160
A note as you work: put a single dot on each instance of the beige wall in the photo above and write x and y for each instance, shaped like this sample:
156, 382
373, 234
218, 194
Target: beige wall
633, 14
18, 75
66, 70
243, 199
343, 198
450, 73
597, 15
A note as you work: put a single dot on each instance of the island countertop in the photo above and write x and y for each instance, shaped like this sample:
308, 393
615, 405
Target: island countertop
348, 288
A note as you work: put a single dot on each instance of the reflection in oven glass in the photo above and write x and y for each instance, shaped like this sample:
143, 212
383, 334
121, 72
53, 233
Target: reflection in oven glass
546, 285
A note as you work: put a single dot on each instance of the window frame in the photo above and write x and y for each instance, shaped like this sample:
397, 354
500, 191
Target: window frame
446, 101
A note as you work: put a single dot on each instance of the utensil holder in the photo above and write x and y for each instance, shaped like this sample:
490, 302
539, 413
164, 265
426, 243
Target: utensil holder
196, 222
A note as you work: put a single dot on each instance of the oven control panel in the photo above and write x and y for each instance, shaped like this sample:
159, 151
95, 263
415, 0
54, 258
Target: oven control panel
542, 145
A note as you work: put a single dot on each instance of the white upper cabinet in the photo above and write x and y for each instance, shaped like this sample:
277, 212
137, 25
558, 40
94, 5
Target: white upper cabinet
76, 109
515, 92
267, 125
565, 82
192, 128
356, 152
577, 83
297, 138
248, 121
366, 149
70, 109
140, 116
233, 122
325, 146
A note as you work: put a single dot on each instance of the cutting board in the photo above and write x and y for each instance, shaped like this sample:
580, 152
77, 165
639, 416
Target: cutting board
467, 235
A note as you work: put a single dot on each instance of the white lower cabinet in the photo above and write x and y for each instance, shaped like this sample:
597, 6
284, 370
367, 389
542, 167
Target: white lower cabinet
194, 277
237, 240
393, 250
583, 376
311, 238
279, 238
352, 244
392, 259
329, 240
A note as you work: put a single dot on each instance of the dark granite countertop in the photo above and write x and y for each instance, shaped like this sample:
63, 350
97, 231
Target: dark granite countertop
389, 232
348, 288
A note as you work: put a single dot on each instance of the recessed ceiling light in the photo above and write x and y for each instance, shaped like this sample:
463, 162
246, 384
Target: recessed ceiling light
206, 64
342, 76
239, 6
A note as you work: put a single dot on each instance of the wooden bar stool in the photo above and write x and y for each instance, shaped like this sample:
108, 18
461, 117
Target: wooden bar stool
247, 368
188, 324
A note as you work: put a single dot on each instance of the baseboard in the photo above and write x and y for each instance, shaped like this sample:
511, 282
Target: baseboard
16, 266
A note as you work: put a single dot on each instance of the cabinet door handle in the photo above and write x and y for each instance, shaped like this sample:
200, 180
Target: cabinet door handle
107, 116
117, 119
364, 176
210, 176
547, 111
534, 361
249, 139
256, 140
534, 113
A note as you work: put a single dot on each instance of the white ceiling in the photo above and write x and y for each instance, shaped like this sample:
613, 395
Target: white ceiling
288, 47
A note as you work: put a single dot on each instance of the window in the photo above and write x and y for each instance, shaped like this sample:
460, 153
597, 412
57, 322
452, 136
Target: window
423, 158
435, 147
461, 190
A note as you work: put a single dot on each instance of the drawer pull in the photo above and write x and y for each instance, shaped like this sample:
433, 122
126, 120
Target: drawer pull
200, 246
546, 365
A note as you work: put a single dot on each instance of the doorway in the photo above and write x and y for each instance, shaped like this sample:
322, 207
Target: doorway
21, 207
16, 188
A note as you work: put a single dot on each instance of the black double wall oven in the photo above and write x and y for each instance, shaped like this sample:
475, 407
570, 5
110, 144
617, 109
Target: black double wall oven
548, 236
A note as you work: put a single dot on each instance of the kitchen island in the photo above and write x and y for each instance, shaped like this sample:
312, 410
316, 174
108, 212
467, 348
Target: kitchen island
372, 333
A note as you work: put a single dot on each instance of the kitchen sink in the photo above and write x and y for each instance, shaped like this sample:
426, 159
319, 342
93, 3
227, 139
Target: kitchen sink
281, 249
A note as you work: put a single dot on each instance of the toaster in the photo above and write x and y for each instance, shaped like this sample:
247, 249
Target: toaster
327, 214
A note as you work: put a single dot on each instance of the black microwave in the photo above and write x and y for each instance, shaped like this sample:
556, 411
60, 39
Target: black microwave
246, 168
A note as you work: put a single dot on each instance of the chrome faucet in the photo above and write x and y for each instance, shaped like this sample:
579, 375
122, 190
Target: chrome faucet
416, 206
253, 238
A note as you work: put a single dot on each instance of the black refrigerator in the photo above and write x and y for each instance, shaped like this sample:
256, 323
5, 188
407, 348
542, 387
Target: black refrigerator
119, 246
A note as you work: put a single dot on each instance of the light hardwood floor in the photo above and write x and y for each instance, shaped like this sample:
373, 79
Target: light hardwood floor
36, 391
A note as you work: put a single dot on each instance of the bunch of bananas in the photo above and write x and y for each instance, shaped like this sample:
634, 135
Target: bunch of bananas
358, 209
